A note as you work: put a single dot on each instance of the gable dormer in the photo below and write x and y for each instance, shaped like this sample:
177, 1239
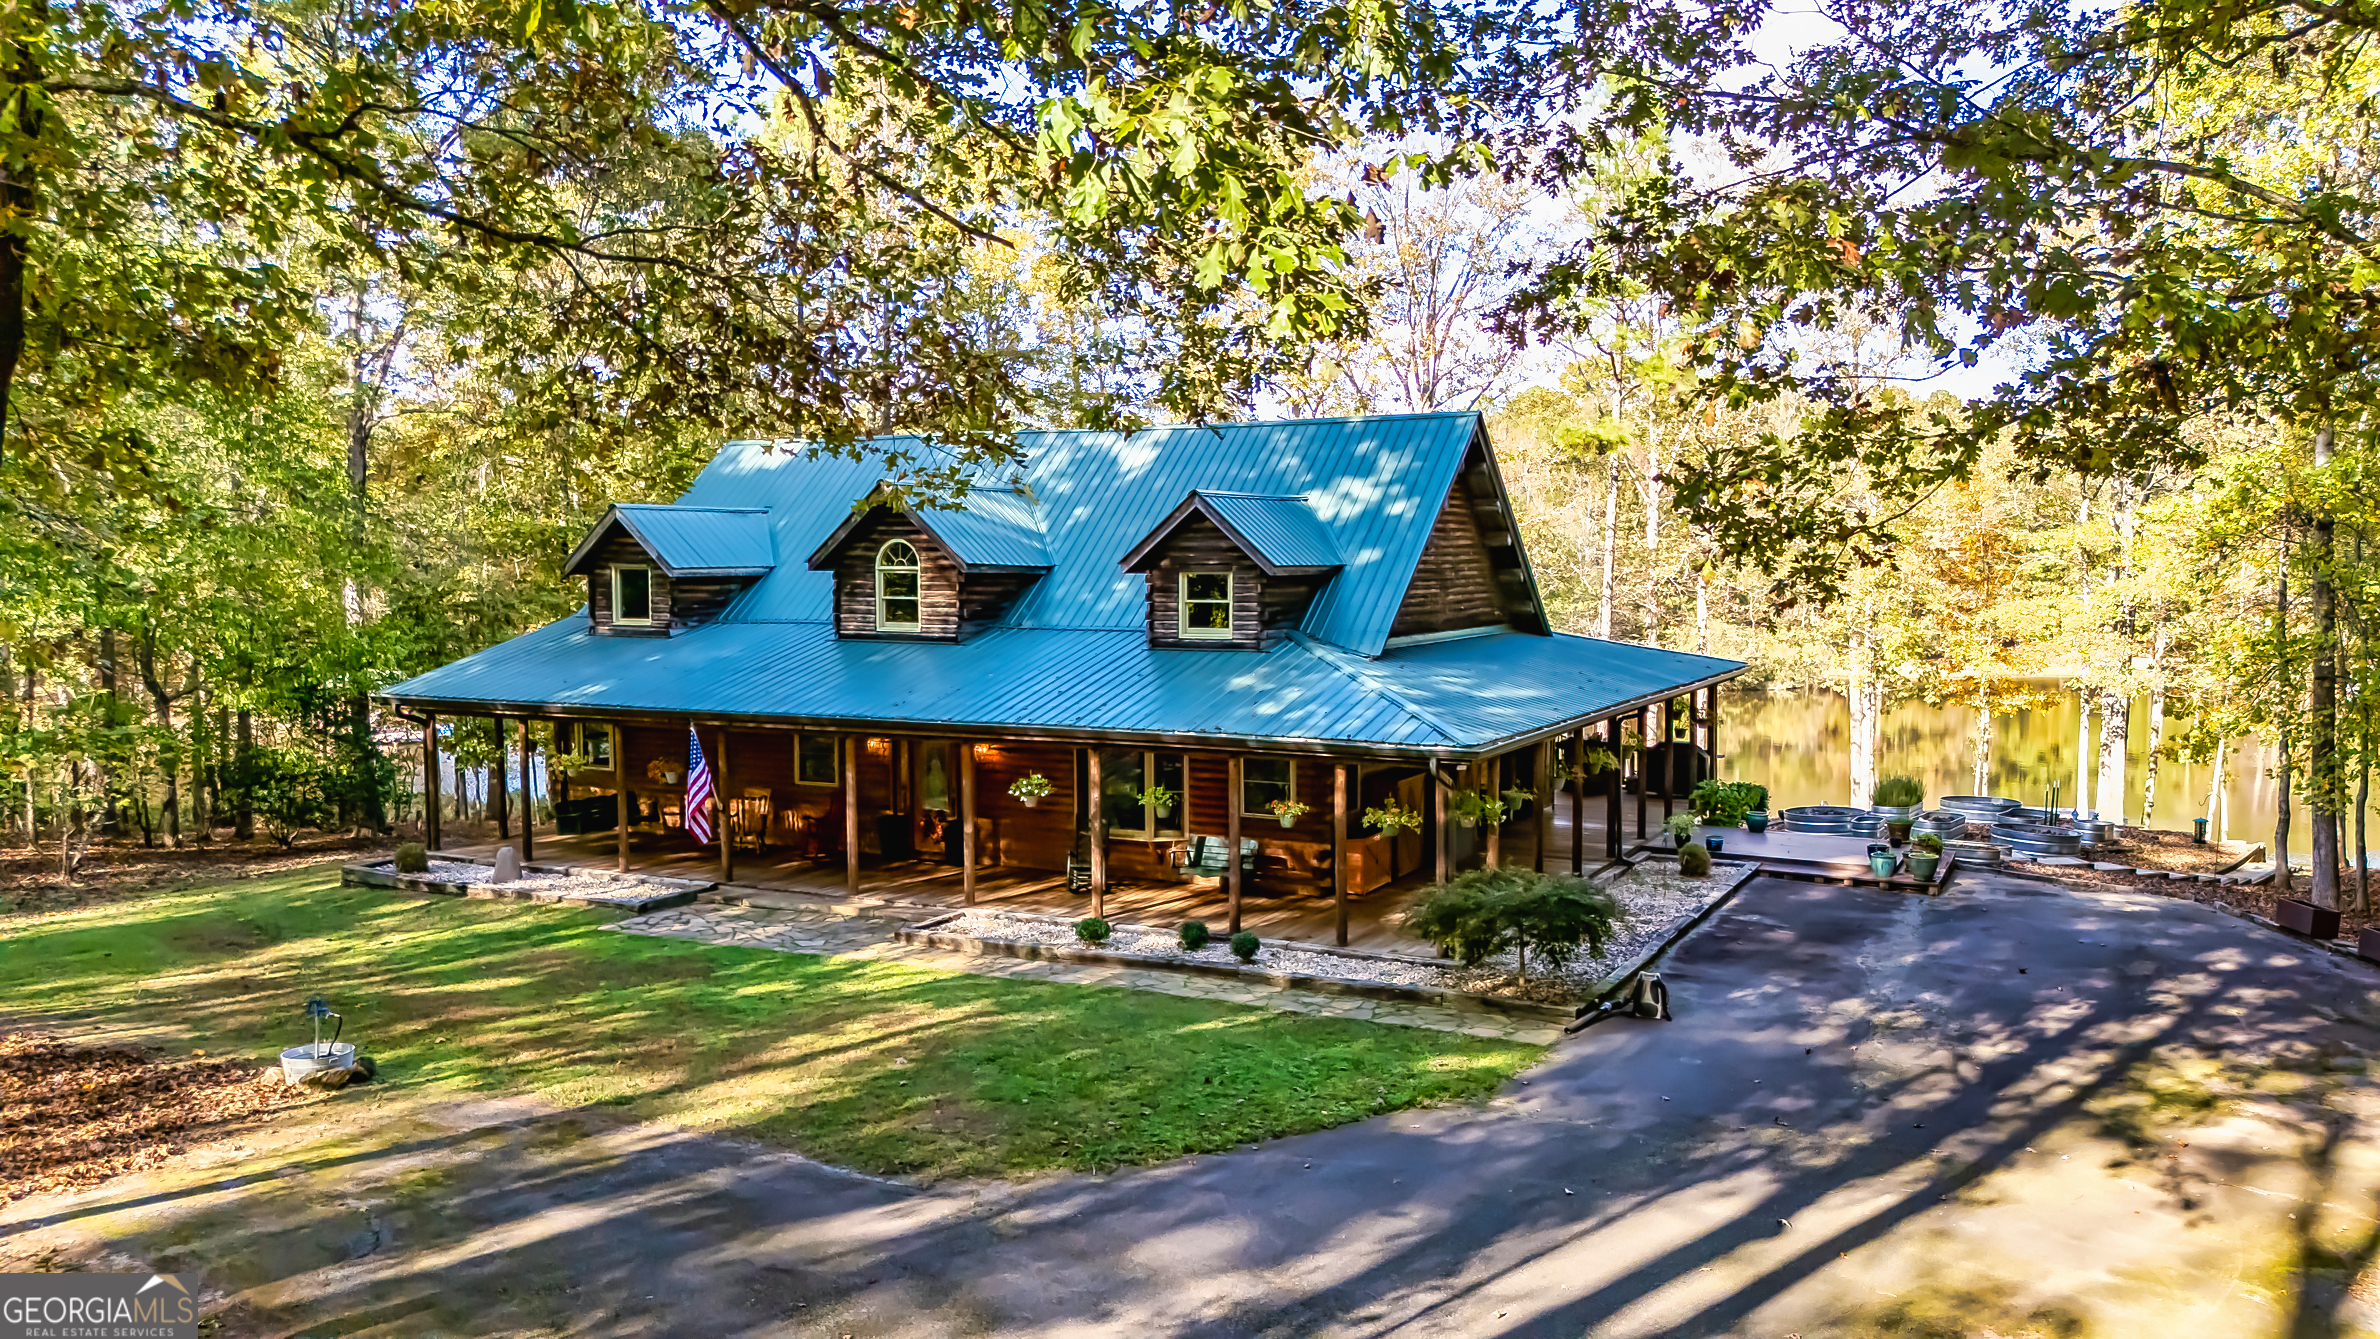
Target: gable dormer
938, 575
1472, 573
654, 570
1232, 571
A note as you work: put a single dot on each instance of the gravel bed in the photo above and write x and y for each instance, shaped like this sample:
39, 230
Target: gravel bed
1652, 900
588, 885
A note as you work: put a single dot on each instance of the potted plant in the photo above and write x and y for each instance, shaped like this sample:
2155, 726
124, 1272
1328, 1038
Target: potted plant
1288, 811
1516, 796
1881, 859
1473, 808
1755, 816
660, 773
1896, 800
1159, 799
1392, 818
1029, 788
1680, 828
1925, 855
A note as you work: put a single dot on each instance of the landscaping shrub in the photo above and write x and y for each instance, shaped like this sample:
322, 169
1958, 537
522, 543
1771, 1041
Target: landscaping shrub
1194, 936
1897, 790
1483, 912
1092, 930
1723, 804
1694, 860
1244, 946
412, 858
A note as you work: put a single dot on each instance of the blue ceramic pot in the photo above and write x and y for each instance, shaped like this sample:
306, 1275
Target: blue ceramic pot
1757, 820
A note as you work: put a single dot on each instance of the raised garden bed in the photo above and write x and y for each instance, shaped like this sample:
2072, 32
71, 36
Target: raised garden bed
1660, 904
538, 883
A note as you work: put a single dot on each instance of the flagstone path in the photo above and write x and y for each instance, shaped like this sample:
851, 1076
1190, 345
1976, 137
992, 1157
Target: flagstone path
800, 930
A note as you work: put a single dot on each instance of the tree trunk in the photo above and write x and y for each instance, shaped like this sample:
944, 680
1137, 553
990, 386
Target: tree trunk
2325, 776
1865, 695
2214, 786
1983, 748
1611, 545
243, 771
2115, 738
170, 756
2281, 878
1702, 612
2082, 751
2148, 794
19, 198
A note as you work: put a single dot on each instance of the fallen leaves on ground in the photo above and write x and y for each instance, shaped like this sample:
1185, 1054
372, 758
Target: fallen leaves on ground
73, 1116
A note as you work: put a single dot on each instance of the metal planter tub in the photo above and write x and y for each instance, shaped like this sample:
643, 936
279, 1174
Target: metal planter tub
2037, 839
1896, 813
2095, 833
1832, 819
1972, 853
1984, 808
1943, 823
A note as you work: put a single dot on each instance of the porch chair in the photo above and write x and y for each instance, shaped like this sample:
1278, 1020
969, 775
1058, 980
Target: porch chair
1204, 857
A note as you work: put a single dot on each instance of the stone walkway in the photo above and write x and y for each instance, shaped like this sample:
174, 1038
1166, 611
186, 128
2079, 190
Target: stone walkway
837, 935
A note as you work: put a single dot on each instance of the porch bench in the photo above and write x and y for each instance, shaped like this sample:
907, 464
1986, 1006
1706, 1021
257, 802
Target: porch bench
1204, 857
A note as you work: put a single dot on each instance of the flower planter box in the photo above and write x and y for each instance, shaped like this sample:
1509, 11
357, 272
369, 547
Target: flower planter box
2367, 945
2307, 919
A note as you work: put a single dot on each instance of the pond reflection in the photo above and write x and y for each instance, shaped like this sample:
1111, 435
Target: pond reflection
1797, 743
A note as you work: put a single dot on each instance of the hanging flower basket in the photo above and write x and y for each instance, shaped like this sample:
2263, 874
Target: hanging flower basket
1288, 811
1029, 788
1392, 818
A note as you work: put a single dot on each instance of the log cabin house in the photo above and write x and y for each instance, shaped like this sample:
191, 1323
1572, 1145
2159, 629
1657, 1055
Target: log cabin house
1175, 629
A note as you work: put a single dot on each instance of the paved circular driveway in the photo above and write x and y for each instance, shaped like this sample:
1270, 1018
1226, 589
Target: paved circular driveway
2015, 1109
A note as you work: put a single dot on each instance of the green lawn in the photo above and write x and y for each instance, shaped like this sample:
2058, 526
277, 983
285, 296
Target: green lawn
885, 1067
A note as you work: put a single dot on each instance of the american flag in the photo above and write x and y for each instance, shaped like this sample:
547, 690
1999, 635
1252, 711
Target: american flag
698, 789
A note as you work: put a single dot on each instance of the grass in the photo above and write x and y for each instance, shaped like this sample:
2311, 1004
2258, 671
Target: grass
887, 1067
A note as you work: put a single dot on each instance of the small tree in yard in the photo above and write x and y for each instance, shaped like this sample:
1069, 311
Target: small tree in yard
291, 791
1483, 912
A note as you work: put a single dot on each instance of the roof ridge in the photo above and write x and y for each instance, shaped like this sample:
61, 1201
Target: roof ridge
1336, 658
1264, 497
676, 506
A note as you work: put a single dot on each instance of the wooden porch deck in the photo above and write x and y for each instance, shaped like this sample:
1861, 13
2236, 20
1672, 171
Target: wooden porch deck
1310, 917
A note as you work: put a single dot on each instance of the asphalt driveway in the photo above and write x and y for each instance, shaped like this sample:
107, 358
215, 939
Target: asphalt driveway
2015, 1109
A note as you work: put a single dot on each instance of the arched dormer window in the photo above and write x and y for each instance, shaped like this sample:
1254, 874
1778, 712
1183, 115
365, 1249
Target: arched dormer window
896, 588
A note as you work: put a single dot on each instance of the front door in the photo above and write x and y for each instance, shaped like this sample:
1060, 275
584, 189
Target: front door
1413, 795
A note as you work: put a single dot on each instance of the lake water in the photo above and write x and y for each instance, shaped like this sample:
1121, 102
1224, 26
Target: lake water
1797, 743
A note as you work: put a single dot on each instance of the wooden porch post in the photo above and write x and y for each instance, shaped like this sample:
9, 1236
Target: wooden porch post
500, 786
967, 820
1443, 828
1545, 801
1578, 806
1233, 877
721, 815
851, 812
432, 792
1644, 765
528, 805
620, 788
1338, 845
1611, 843
1093, 805
1669, 758
1493, 778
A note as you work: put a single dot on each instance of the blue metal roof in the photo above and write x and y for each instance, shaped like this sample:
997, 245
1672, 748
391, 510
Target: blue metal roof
997, 527
1448, 697
691, 541
1283, 531
1071, 654
1374, 485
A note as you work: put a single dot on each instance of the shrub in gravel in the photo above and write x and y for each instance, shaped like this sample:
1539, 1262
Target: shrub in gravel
1694, 860
1244, 946
412, 858
1092, 930
1483, 912
1194, 936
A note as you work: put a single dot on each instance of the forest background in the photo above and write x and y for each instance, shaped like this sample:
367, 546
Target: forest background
255, 472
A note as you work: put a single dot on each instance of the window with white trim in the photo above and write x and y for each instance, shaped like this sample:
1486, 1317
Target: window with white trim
632, 595
1264, 780
817, 760
1129, 778
896, 587
1205, 613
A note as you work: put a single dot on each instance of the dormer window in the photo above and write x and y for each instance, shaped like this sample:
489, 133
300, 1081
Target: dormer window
896, 588
1206, 606
632, 596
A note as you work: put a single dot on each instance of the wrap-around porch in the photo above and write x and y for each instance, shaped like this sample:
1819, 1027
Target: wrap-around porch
1125, 832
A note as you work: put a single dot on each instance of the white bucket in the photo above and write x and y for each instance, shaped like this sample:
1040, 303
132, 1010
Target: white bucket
299, 1061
